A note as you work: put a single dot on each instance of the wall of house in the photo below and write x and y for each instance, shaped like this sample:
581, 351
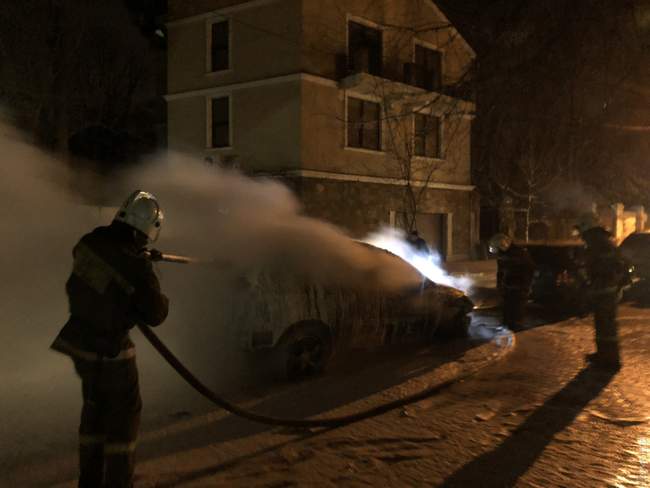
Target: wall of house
300, 124
364, 207
323, 30
265, 124
180, 9
325, 34
270, 33
324, 142
186, 124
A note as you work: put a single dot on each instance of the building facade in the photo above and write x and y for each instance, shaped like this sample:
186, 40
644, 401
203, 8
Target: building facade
350, 101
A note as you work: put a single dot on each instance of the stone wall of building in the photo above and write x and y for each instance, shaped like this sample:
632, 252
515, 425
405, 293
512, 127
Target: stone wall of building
361, 208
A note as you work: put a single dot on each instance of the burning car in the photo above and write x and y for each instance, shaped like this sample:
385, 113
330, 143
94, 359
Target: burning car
303, 323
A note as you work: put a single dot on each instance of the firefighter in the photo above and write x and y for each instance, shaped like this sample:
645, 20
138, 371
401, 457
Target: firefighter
515, 271
111, 288
606, 273
417, 242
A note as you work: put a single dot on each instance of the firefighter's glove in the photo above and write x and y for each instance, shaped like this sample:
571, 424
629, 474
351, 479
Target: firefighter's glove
155, 255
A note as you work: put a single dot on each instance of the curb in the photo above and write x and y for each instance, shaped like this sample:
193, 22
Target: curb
474, 360
477, 358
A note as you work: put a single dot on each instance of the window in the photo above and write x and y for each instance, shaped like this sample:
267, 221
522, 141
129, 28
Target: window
364, 125
220, 118
427, 136
428, 64
364, 49
219, 46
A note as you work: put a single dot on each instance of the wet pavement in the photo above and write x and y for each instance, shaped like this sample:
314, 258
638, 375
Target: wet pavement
539, 417
549, 420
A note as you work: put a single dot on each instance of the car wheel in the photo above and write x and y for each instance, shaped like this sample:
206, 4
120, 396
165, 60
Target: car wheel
304, 351
458, 327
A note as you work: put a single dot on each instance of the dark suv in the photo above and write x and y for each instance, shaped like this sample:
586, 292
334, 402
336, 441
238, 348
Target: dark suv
560, 278
561, 282
635, 248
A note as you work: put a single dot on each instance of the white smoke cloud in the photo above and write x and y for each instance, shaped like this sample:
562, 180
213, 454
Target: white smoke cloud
249, 223
244, 223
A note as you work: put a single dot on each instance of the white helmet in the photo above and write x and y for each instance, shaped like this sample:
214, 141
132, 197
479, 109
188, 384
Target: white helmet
142, 212
499, 242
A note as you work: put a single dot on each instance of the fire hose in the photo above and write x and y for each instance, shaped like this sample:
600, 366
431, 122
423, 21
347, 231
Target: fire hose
218, 400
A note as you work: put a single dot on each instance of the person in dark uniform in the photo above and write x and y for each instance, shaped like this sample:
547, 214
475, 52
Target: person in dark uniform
112, 287
606, 273
515, 270
417, 242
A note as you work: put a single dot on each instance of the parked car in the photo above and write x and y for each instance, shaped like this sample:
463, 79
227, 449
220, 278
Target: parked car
561, 282
635, 248
304, 323
560, 279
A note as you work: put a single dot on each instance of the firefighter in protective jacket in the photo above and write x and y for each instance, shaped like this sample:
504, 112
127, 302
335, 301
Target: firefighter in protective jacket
112, 287
606, 273
515, 270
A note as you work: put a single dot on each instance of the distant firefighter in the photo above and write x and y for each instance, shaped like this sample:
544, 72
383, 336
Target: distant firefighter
515, 270
417, 242
112, 288
606, 273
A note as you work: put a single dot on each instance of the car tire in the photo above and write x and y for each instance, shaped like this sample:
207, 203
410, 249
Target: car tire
456, 328
303, 351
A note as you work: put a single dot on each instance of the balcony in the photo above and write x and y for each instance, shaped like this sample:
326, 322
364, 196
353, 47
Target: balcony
364, 65
362, 60
416, 75
415, 87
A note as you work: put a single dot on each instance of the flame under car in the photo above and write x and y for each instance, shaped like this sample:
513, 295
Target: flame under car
303, 323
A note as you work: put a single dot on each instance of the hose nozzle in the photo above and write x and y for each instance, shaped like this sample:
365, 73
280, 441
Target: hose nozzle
155, 255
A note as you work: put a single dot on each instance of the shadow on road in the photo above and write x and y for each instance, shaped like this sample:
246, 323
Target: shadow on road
356, 377
504, 465
231, 463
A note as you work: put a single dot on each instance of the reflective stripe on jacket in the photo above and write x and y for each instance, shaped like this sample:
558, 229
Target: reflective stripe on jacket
61, 345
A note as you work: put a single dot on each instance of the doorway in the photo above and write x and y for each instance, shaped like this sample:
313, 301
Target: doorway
433, 228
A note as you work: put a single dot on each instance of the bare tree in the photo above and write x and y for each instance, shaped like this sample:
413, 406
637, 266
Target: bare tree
550, 84
415, 100
66, 64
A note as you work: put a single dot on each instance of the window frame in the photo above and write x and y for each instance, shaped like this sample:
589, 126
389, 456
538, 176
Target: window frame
208, 45
364, 100
431, 47
440, 152
371, 25
210, 119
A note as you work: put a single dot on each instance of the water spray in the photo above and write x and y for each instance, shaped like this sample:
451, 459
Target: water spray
429, 264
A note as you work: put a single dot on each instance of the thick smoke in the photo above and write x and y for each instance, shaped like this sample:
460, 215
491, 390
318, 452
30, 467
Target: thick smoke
570, 198
249, 224
240, 224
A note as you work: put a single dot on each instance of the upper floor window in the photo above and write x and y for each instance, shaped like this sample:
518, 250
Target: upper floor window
219, 46
427, 136
428, 64
364, 124
220, 122
364, 49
